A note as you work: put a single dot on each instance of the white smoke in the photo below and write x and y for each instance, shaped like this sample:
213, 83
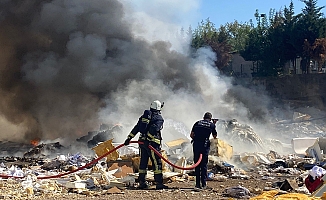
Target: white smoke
90, 62
69, 66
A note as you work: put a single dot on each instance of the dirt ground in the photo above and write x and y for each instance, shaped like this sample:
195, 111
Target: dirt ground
178, 190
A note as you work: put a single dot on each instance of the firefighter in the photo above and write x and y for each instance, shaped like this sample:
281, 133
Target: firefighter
200, 134
149, 125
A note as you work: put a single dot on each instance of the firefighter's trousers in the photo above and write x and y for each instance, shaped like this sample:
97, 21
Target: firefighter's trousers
201, 169
145, 154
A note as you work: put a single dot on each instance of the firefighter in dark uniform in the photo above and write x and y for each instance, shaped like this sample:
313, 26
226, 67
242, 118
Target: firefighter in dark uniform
200, 134
149, 125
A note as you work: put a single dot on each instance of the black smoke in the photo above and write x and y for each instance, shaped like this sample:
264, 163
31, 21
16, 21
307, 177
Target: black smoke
66, 66
60, 59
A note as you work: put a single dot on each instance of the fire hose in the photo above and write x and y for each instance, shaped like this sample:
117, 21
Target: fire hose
104, 155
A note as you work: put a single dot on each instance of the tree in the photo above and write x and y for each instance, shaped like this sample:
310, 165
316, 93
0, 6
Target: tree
207, 35
289, 21
281, 38
310, 19
189, 32
308, 28
237, 33
256, 46
316, 51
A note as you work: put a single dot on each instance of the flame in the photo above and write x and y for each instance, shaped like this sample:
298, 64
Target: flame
35, 142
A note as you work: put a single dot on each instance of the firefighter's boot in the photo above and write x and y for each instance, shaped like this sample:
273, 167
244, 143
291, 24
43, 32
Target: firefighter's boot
159, 182
142, 181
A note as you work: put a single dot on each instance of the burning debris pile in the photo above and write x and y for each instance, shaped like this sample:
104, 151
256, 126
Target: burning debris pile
243, 134
44, 149
302, 125
105, 133
53, 169
13, 148
78, 64
36, 175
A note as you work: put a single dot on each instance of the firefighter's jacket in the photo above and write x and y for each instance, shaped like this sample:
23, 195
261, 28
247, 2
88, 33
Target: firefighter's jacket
202, 130
149, 125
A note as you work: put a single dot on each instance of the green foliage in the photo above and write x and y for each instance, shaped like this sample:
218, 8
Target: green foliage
206, 35
238, 34
281, 38
309, 23
275, 39
205, 32
227, 38
317, 51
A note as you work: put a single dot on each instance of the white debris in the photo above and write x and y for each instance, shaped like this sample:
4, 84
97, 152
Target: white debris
129, 180
76, 185
62, 158
28, 183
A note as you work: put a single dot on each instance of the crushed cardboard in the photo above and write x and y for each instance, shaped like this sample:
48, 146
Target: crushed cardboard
104, 147
221, 149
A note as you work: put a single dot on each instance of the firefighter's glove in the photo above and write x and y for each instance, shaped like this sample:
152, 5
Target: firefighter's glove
127, 142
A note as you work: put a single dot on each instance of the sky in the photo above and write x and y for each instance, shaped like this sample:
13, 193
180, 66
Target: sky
185, 13
220, 12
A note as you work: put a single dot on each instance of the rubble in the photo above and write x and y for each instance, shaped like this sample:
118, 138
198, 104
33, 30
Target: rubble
106, 132
237, 192
44, 149
49, 169
237, 133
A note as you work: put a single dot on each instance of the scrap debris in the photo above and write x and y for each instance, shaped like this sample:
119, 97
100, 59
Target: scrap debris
285, 175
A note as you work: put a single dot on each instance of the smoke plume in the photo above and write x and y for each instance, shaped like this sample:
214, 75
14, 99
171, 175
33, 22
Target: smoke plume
69, 65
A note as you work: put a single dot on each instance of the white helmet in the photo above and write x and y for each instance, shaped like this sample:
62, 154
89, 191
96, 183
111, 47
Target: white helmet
156, 105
